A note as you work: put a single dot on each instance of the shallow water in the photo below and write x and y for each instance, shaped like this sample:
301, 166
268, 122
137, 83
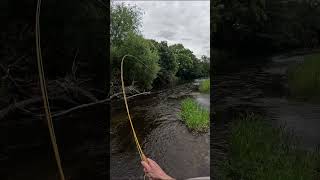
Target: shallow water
203, 100
164, 137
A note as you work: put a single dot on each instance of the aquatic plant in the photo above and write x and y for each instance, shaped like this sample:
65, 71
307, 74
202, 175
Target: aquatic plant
205, 86
195, 117
260, 151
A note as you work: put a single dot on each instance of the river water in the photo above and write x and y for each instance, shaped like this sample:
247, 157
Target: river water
262, 89
164, 137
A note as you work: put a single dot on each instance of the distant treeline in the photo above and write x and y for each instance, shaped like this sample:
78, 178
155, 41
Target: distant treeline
255, 27
156, 64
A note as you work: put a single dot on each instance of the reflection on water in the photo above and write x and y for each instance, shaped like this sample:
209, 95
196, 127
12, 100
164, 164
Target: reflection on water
301, 117
163, 135
204, 100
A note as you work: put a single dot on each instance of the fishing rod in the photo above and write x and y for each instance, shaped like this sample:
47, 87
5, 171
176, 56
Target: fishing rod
44, 93
142, 156
141, 153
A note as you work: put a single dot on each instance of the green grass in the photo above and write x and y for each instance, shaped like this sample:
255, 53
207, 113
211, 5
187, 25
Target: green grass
204, 86
304, 78
259, 151
195, 117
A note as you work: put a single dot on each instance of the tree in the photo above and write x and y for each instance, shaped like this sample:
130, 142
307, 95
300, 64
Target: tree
205, 65
255, 26
126, 39
143, 69
167, 62
186, 61
125, 19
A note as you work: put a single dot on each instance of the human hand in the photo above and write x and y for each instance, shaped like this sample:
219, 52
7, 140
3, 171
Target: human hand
154, 171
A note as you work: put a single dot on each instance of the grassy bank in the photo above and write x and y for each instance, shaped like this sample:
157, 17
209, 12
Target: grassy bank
204, 86
304, 78
195, 117
260, 151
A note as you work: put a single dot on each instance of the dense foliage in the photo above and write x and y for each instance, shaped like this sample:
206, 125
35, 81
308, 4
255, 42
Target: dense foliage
143, 68
124, 20
271, 24
252, 27
156, 64
167, 62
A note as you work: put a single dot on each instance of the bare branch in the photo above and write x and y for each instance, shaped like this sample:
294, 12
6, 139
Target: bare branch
22, 104
94, 103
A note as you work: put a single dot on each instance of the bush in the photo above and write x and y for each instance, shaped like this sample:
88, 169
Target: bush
196, 117
304, 78
260, 151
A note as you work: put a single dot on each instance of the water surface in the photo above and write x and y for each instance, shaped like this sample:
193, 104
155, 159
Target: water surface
164, 137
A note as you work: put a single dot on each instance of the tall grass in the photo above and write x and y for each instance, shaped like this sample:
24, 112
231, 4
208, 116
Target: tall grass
205, 86
304, 78
260, 151
195, 117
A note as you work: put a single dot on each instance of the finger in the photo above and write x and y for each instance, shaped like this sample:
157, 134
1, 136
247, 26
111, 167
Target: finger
152, 163
146, 165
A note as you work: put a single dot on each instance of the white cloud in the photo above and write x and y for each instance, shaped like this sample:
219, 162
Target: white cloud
185, 22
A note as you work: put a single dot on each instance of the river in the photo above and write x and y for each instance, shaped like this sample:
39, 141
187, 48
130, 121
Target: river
262, 89
164, 137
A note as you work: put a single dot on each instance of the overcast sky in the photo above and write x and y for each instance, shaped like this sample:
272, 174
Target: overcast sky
185, 22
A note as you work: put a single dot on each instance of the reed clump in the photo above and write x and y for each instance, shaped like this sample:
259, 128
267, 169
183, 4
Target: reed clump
195, 116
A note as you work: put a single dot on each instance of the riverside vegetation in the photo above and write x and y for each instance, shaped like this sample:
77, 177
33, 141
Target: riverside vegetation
204, 86
195, 117
260, 151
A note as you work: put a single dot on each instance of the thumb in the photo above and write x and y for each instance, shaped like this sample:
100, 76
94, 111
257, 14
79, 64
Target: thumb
146, 165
